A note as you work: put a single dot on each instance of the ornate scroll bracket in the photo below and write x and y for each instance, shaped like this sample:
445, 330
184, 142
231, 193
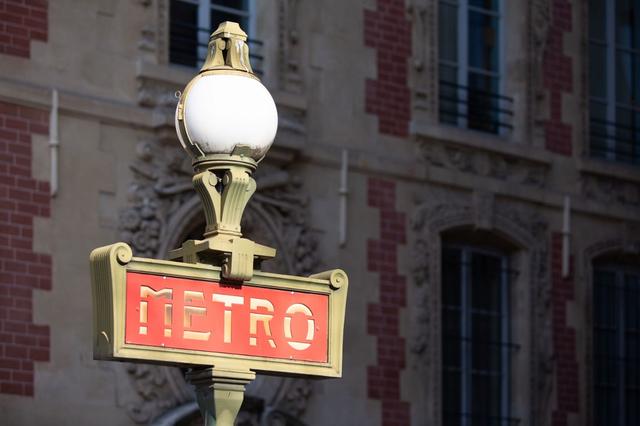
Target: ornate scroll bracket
225, 186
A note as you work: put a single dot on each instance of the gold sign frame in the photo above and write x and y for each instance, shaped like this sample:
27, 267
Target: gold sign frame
109, 266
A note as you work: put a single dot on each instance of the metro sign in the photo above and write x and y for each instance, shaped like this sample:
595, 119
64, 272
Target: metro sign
183, 313
173, 312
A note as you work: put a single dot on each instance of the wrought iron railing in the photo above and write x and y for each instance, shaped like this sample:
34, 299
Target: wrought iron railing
476, 109
188, 45
614, 141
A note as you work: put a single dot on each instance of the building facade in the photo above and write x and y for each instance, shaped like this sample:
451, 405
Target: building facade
486, 153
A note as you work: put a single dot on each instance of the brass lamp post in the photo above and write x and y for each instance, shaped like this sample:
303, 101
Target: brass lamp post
181, 312
226, 120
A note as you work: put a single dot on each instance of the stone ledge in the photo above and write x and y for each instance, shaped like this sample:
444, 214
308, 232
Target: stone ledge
622, 171
480, 141
76, 104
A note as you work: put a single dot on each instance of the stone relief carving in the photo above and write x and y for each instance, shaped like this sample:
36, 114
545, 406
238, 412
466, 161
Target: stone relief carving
157, 94
424, 73
530, 232
290, 75
540, 22
611, 191
163, 211
485, 163
152, 44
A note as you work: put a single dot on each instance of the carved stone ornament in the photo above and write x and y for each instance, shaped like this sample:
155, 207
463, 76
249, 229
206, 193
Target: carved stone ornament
540, 23
611, 191
484, 163
163, 211
290, 74
528, 232
424, 73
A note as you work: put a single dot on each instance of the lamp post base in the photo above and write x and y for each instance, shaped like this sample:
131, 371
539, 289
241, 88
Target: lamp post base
219, 393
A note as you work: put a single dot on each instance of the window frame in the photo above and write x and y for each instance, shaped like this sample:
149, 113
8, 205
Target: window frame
619, 287
610, 102
466, 325
461, 65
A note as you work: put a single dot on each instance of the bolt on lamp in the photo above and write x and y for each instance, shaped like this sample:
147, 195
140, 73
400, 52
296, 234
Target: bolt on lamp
226, 120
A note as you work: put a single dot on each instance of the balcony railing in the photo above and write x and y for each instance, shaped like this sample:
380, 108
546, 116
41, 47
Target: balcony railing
614, 141
188, 46
475, 109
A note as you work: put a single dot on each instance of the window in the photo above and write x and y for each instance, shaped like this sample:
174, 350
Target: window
193, 21
470, 58
475, 338
616, 308
614, 79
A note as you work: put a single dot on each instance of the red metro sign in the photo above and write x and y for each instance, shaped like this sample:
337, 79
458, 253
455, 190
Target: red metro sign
183, 314
180, 313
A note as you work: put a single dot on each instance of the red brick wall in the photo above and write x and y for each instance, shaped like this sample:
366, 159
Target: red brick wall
383, 379
564, 339
558, 78
20, 22
389, 32
21, 270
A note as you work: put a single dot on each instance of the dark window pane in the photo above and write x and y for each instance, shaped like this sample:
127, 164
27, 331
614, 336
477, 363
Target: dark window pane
183, 33
448, 32
599, 129
597, 19
451, 391
487, 279
449, 105
598, 71
628, 23
217, 17
451, 273
627, 135
627, 78
234, 4
483, 41
483, 105
485, 4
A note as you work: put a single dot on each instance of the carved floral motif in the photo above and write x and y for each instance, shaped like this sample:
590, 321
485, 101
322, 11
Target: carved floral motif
484, 163
611, 191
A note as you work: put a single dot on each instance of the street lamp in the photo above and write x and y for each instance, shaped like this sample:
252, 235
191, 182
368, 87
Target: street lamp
182, 313
226, 120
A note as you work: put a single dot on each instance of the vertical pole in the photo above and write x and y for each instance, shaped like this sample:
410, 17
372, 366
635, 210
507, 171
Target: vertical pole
566, 236
344, 192
220, 393
54, 141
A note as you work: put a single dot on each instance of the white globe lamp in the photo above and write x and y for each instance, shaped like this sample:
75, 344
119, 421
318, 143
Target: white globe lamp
225, 109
